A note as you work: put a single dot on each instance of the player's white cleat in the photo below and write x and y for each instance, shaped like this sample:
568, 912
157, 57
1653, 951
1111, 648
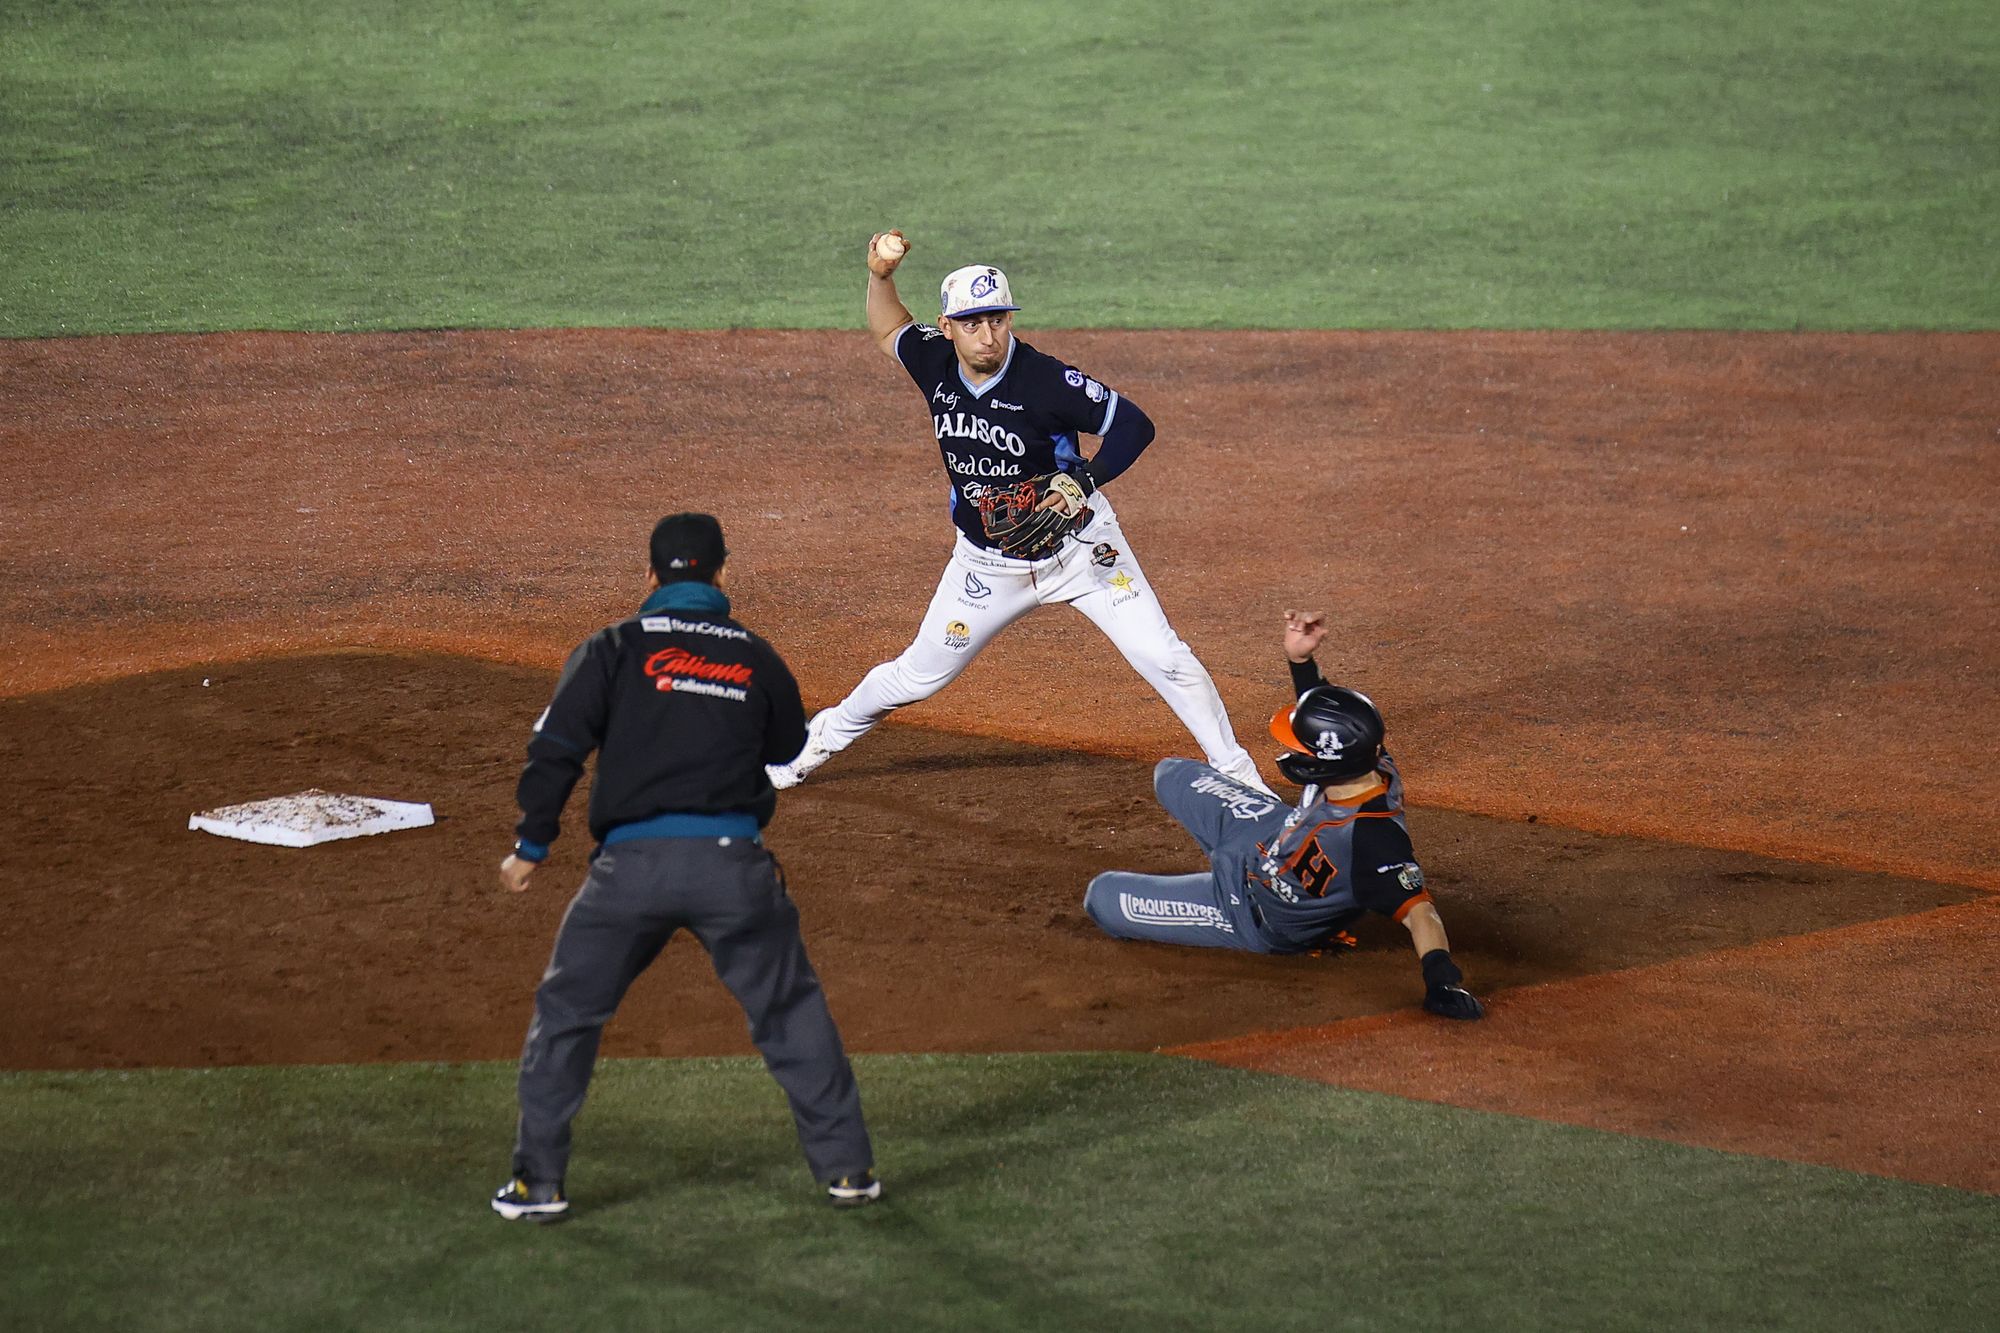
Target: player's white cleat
1247, 774
810, 758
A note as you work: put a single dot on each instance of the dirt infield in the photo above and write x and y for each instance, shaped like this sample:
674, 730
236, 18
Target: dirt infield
1700, 591
1849, 1047
938, 924
1704, 587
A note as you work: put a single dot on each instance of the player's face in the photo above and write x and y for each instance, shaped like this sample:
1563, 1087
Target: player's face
981, 340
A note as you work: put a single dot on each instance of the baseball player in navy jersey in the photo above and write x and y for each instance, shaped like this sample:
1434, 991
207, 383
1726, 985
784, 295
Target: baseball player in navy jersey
1033, 524
1289, 880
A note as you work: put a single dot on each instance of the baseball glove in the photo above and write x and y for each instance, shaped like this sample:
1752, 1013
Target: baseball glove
1029, 519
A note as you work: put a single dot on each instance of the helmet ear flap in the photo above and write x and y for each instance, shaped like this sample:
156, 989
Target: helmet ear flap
1330, 734
1300, 769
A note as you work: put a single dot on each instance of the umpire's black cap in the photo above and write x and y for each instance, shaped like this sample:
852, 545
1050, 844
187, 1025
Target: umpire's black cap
687, 546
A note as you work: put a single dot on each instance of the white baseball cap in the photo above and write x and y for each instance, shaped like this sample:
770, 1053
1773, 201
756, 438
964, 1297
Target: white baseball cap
976, 289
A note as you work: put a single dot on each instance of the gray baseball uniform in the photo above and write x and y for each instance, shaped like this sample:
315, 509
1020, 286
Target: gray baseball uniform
1280, 879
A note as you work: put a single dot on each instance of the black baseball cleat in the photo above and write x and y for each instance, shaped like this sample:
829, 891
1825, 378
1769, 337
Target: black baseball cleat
854, 1191
538, 1203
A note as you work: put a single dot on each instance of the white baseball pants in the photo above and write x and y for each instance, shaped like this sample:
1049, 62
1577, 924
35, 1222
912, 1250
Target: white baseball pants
981, 593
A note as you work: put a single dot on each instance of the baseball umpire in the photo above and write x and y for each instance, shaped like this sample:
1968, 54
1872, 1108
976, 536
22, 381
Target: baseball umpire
684, 708
1288, 881
1033, 525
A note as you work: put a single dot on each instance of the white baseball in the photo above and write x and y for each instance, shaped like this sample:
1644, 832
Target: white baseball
889, 245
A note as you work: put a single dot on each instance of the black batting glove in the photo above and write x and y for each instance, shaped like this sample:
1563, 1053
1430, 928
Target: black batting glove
1453, 1002
1444, 992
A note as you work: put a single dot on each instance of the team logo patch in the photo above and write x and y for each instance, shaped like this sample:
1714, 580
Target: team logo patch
930, 331
1409, 874
1105, 554
984, 285
975, 587
957, 635
1094, 391
1073, 378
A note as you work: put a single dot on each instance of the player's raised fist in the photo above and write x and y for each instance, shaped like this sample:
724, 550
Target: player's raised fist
1303, 631
886, 250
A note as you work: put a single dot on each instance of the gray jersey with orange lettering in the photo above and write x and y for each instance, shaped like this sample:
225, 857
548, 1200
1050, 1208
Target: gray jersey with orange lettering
1331, 860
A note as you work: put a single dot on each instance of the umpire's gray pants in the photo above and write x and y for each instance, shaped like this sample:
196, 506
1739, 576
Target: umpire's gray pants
729, 893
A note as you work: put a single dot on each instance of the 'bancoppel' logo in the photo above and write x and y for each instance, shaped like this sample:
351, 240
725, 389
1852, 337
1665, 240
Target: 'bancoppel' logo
1006, 407
1172, 912
984, 285
957, 636
1073, 378
675, 625
948, 400
976, 588
1329, 745
1094, 391
1239, 800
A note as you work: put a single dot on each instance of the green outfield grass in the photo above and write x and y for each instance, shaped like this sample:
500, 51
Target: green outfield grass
346, 164
1069, 1192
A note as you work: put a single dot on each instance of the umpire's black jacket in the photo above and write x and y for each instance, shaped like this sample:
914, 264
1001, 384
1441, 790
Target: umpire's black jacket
684, 707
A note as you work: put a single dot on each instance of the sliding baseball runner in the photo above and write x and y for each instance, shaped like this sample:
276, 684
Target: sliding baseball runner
1290, 880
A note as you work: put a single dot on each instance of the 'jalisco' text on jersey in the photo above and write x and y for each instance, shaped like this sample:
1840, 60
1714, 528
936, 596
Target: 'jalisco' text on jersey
1023, 422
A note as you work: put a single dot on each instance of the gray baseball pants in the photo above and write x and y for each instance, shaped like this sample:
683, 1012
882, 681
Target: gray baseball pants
1209, 908
729, 893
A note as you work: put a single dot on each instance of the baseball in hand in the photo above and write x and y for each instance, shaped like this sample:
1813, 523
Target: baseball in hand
891, 245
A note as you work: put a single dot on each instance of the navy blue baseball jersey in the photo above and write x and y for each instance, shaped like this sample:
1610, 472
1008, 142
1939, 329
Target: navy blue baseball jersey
1023, 422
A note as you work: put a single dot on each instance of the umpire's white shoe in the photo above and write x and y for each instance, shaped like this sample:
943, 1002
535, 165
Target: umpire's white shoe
538, 1203
854, 1191
815, 754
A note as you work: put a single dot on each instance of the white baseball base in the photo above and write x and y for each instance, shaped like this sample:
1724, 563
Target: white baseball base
309, 817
